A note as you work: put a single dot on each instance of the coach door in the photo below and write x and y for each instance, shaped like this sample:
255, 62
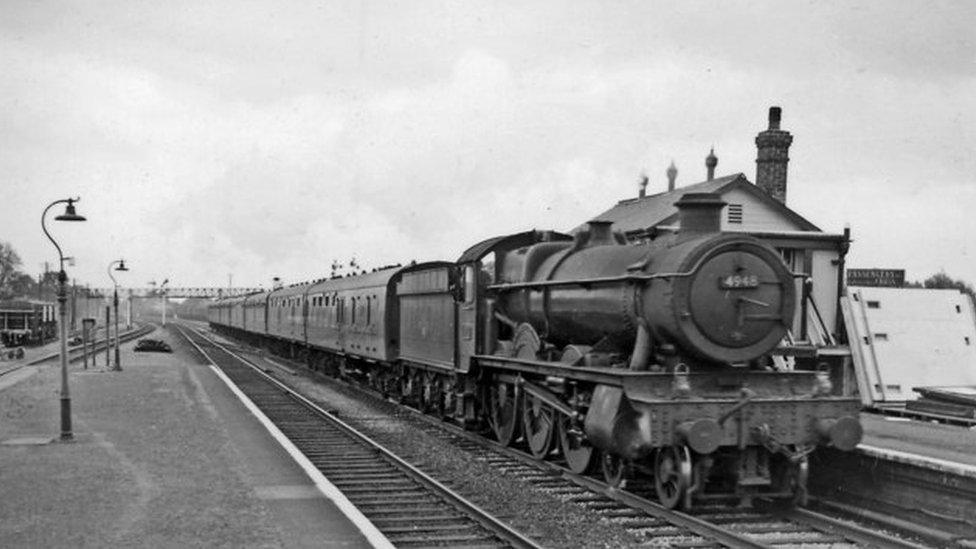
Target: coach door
341, 324
305, 320
467, 317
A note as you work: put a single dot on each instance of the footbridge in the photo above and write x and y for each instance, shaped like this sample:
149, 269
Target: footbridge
177, 292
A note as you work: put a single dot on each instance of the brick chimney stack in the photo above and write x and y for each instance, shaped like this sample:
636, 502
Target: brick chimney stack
710, 162
643, 186
773, 156
672, 175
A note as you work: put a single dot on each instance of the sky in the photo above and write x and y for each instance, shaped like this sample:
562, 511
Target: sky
217, 143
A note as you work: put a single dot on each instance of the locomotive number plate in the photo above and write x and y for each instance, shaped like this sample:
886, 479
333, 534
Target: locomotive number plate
732, 282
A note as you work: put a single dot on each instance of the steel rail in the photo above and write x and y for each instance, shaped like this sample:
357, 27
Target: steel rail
849, 531
74, 352
831, 529
98, 345
489, 522
824, 524
820, 523
693, 525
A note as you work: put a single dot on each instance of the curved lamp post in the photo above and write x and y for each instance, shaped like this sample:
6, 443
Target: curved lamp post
115, 304
68, 215
162, 294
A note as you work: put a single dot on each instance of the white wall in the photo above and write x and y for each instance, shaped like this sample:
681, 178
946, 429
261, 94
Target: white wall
757, 216
824, 274
905, 338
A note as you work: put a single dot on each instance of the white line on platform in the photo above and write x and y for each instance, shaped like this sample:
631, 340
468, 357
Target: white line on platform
329, 490
374, 536
280, 365
960, 469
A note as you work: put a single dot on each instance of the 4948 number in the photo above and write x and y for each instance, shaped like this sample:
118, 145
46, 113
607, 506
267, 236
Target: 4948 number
738, 281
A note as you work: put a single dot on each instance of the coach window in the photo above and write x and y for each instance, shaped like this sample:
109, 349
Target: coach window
469, 284
488, 269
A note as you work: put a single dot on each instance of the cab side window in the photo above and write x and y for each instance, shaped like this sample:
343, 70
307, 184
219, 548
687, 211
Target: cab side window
469, 279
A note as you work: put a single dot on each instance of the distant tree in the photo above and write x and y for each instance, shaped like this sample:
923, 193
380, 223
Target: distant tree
48, 286
23, 285
9, 268
943, 281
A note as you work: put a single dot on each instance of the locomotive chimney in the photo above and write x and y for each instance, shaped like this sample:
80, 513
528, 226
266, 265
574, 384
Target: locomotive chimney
600, 233
773, 156
700, 213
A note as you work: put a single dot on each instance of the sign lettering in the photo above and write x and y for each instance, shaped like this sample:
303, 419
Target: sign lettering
887, 278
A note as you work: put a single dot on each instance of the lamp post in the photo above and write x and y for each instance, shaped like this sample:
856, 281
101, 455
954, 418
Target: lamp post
68, 215
162, 295
115, 304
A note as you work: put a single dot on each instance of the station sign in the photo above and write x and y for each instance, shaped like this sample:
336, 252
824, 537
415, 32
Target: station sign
885, 278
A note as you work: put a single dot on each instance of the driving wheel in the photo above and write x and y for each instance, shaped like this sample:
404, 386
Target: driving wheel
575, 448
539, 424
503, 412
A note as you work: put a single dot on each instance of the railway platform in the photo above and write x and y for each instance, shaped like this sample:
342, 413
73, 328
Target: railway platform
164, 455
949, 448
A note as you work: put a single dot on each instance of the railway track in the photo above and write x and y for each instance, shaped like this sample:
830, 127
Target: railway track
653, 525
75, 353
409, 507
764, 525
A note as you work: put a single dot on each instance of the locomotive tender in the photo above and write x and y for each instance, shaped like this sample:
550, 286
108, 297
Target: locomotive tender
647, 359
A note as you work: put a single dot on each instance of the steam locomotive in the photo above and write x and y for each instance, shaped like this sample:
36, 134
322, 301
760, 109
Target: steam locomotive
649, 360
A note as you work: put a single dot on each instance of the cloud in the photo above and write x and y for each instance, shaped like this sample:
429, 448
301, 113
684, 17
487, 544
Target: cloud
412, 173
268, 141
